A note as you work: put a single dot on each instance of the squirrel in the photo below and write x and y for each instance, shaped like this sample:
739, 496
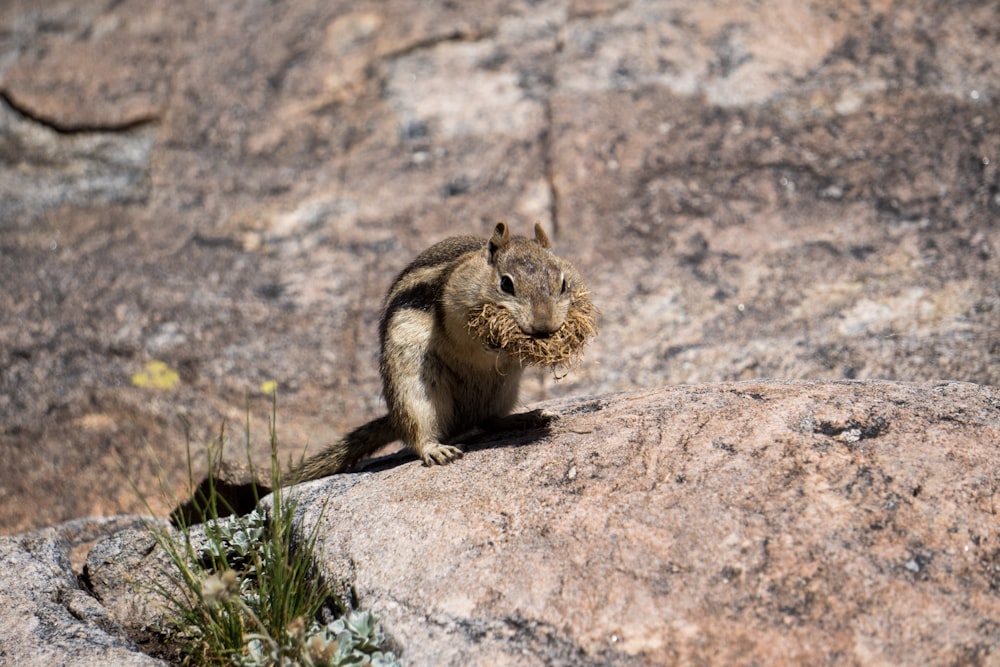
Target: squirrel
457, 328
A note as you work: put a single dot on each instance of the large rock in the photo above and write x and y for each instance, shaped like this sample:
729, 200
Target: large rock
751, 189
46, 616
849, 523
737, 524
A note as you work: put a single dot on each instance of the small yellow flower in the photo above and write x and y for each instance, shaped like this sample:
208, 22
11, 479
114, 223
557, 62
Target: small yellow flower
157, 375
269, 387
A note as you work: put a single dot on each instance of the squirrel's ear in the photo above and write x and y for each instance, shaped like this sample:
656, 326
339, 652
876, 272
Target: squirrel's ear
499, 239
540, 236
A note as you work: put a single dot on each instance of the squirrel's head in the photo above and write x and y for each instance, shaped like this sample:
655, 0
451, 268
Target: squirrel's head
537, 308
530, 282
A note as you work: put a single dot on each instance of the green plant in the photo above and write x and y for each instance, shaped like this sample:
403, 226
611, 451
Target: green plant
243, 590
351, 641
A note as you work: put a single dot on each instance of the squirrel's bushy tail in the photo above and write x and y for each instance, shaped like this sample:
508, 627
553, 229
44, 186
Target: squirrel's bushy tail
348, 450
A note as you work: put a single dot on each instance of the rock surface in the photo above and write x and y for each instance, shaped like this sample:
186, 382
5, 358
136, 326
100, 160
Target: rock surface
198, 199
738, 524
201, 201
750, 523
46, 616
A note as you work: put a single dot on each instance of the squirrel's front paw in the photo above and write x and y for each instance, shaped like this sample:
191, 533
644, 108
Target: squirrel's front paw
438, 454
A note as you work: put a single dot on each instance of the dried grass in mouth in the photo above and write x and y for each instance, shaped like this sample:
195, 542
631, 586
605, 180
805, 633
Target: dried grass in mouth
496, 327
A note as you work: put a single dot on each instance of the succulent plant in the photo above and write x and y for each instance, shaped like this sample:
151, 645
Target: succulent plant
235, 548
235, 540
246, 591
352, 641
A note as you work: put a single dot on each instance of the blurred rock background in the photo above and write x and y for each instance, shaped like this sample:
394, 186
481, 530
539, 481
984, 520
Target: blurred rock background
200, 199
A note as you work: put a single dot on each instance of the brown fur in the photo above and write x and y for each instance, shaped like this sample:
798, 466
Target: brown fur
458, 327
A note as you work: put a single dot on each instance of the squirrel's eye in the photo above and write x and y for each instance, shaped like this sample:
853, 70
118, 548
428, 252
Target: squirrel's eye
562, 290
507, 285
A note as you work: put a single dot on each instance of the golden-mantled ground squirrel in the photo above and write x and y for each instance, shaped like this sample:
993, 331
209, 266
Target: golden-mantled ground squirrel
458, 327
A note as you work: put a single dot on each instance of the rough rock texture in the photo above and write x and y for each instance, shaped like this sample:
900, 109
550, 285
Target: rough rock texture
749, 523
199, 200
801, 190
739, 524
46, 616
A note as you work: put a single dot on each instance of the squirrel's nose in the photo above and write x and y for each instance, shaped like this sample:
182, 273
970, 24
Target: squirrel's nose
544, 318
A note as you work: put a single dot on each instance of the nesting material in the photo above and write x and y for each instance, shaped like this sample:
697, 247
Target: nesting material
562, 348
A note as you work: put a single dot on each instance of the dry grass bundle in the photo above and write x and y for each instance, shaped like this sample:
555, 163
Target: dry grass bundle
563, 347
